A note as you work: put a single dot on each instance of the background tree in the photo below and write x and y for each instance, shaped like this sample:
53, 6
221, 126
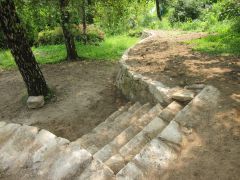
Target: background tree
158, 9
17, 42
65, 23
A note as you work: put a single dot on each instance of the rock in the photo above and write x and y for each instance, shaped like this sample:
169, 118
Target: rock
172, 133
69, 161
183, 95
195, 86
35, 102
2, 123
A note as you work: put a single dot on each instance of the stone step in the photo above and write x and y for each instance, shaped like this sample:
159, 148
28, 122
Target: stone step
172, 133
70, 160
110, 149
6, 132
14, 152
96, 170
150, 163
135, 145
99, 137
2, 123
170, 111
87, 139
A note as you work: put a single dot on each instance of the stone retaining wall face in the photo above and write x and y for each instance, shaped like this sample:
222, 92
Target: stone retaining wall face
140, 88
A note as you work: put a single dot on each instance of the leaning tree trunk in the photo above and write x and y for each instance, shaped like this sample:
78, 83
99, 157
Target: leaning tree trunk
21, 50
69, 39
159, 13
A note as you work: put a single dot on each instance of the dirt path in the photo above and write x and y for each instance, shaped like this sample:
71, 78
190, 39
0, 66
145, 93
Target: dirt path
166, 58
85, 96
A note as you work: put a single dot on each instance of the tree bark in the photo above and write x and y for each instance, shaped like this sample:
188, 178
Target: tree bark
69, 39
84, 22
158, 10
21, 50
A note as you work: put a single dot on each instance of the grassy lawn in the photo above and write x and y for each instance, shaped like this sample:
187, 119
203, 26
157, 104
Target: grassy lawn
223, 44
111, 49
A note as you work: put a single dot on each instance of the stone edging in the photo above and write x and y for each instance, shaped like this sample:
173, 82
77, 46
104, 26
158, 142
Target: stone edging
140, 88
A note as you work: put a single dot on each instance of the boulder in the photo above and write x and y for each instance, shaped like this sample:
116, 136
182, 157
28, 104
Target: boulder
35, 102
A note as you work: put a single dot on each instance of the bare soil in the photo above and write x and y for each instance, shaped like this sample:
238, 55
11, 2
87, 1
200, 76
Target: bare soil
215, 153
85, 96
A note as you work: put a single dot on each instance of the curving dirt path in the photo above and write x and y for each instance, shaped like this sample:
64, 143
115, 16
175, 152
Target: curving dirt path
165, 57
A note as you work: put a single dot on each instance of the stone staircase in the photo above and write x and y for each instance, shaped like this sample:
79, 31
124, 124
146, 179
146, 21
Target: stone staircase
135, 142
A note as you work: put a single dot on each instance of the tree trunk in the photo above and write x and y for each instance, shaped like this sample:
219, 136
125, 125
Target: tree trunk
84, 22
21, 50
89, 15
69, 39
158, 8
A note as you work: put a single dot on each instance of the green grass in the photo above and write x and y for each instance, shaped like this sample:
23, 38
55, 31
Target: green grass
111, 49
220, 44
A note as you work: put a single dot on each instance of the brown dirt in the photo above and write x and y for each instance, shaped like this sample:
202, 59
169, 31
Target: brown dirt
216, 152
85, 96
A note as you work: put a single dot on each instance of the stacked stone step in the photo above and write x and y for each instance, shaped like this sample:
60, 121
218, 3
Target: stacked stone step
109, 129
29, 153
156, 156
130, 142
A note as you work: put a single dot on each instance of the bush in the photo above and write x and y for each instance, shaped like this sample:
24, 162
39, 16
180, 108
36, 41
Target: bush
135, 33
185, 10
55, 36
229, 9
93, 35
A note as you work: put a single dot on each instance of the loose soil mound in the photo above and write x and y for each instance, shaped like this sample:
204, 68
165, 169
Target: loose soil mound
85, 96
166, 58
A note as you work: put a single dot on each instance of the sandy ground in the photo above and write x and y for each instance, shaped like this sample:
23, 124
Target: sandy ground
216, 153
85, 96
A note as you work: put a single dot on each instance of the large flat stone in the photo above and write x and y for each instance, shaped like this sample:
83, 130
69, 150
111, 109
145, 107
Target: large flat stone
69, 161
183, 95
14, 153
172, 133
6, 132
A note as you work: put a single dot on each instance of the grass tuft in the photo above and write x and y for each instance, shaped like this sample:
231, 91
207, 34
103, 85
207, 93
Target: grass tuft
220, 44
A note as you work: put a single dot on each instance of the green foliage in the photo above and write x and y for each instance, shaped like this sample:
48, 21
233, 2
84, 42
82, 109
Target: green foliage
135, 32
116, 17
49, 37
224, 44
110, 49
229, 9
185, 10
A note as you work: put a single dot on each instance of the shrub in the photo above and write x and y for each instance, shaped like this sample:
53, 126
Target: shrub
229, 9
93, 35
135, 33
185, 10
55, 36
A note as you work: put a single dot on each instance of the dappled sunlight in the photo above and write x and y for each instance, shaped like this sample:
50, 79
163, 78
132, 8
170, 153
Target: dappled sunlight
236, 97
